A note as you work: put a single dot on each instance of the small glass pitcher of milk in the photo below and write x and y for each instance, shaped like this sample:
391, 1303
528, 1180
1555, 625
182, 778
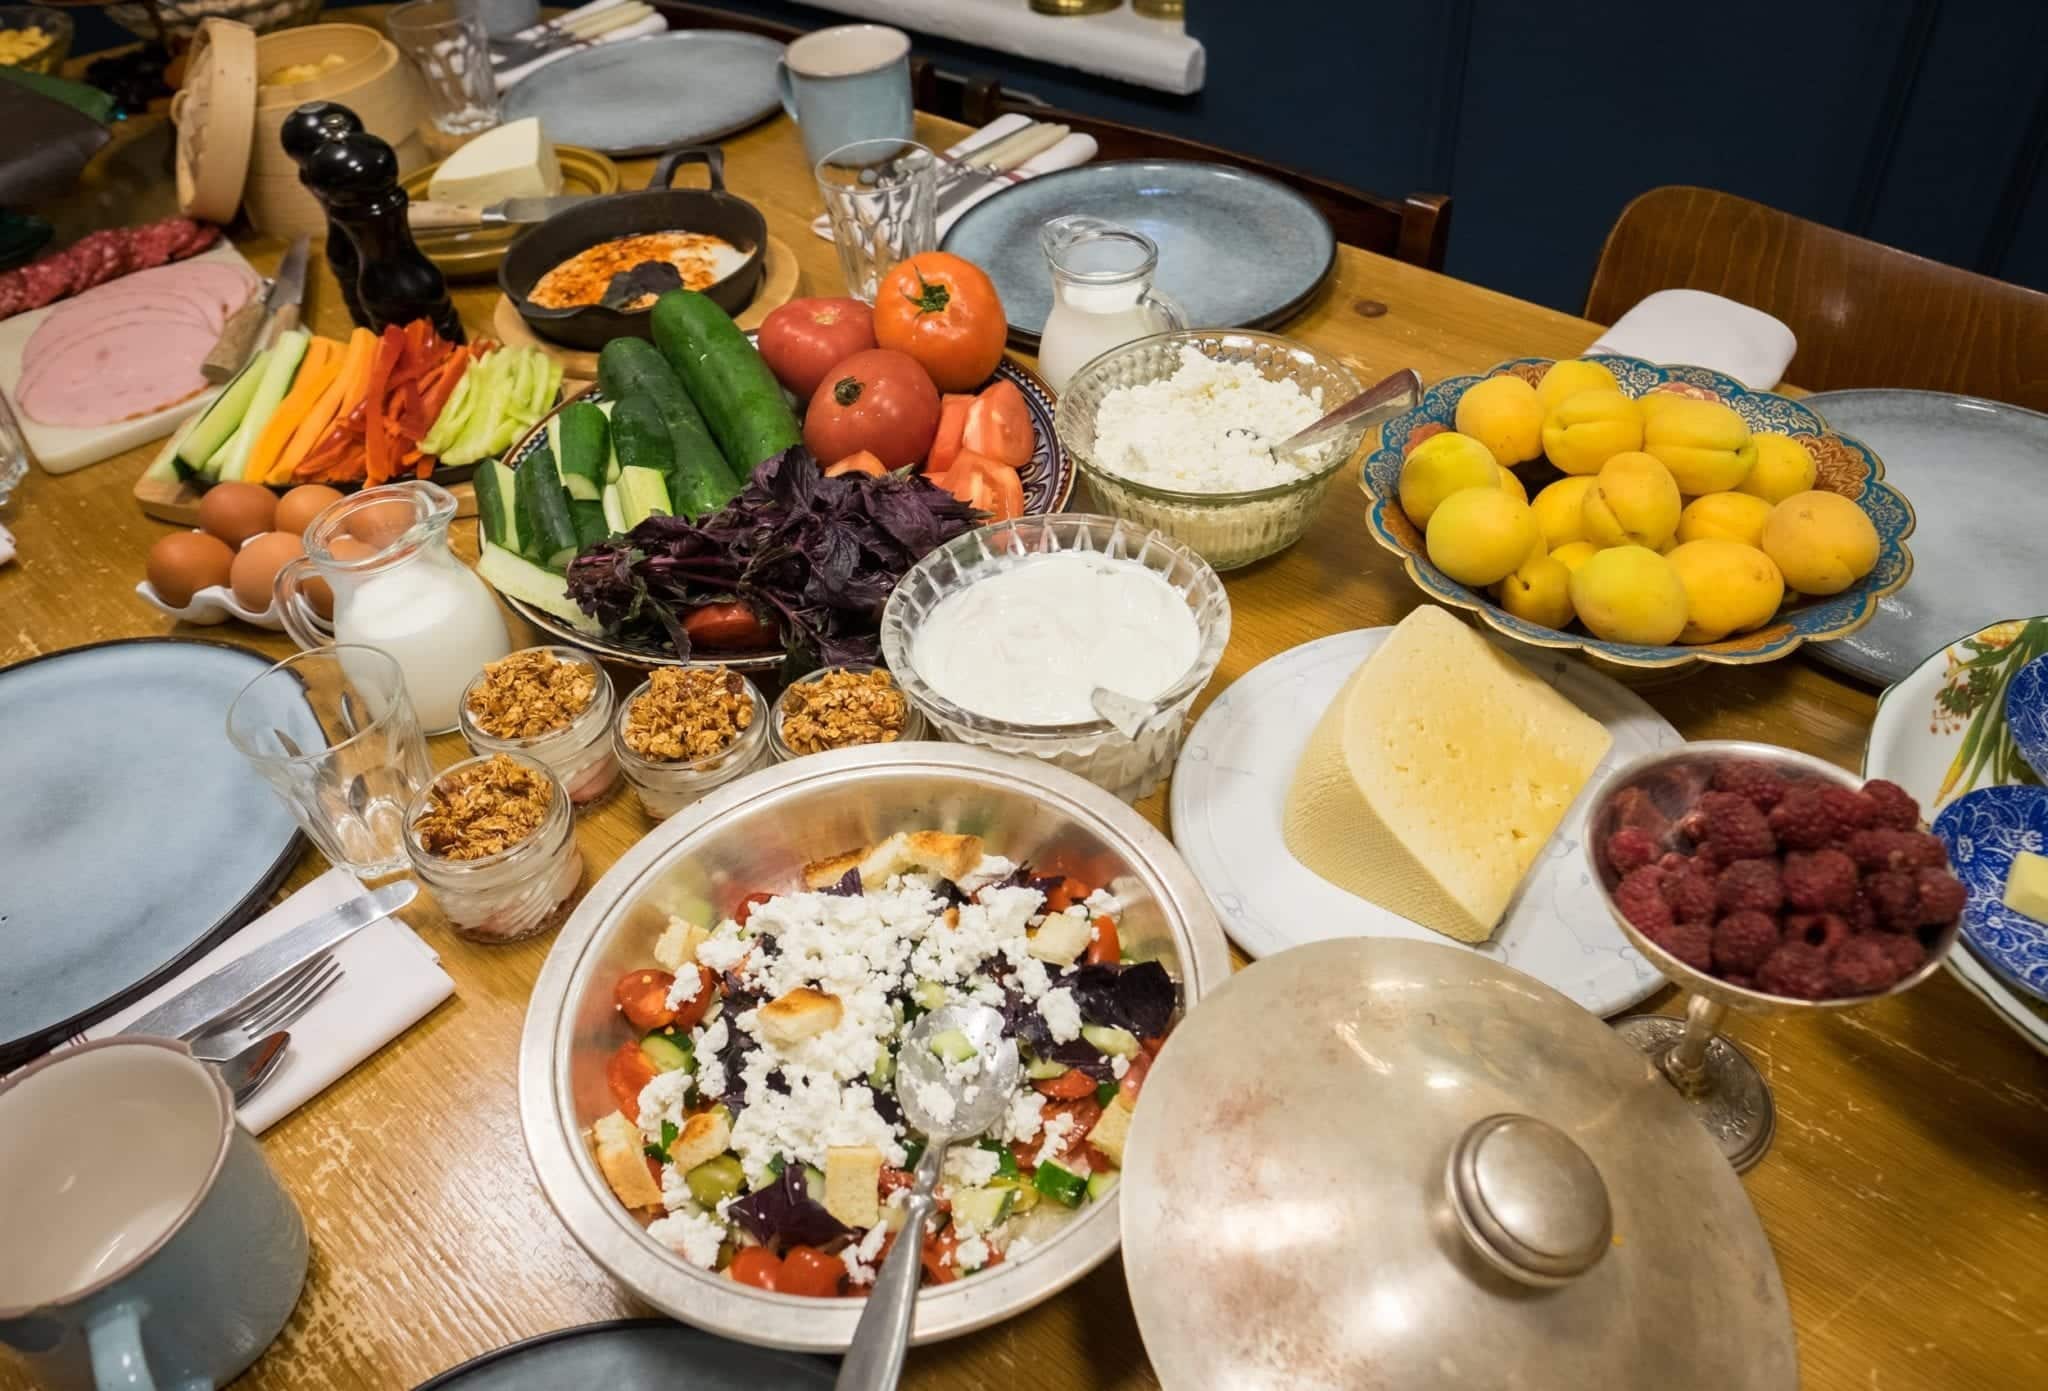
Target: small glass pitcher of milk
393, 584
1102, 294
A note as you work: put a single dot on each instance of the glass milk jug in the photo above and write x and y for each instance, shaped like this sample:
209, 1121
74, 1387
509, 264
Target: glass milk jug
396, 586
1102, 295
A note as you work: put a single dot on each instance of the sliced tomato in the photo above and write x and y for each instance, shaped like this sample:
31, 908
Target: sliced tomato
893, 1179
690, 1013
999, 425
953, 410
986, 486
1065, 894
642, 996
1084, 1114
756, 1266
1070, 1085
807, 1270
940, 1265
863, 462
1104, 947
1152, 1046
1025, 1154
1133, 1081
747, 906
627, 1072
729, 627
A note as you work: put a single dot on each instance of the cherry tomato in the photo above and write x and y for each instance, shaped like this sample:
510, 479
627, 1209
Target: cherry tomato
747, 906
731, 627
806, 338
944, 312
756, 1266
1071, 1085
807, 1270
1025, 1154
1133, 1081
1065, 895
1152, 1046
893, 1179
953, 410
939, 1263
1084, 1113
999, 425
862, 462
879, 401
642, 996
627, 1072
986, 486
690, 1013
1104, 946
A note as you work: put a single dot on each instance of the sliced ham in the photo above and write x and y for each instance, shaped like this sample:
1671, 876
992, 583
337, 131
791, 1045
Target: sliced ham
104, 378
90, 309
135, 327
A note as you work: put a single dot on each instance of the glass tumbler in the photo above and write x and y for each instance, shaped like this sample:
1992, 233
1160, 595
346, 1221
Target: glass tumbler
445, 40
334, 734
882, 198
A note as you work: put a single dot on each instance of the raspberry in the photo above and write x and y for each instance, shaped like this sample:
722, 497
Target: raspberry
1802, 820
1630, 849
1862, 966
1671, 862
1862, 914
1822, 931
1895, 897
1821, 882
1731, 826
1851, 808
1748, 778
1640, 898
1942, 897
1634, 810
1905, 951
1692, 943
1691, 896
1744, 941
1796, 969
1896, 809
1895, 849
1750, 886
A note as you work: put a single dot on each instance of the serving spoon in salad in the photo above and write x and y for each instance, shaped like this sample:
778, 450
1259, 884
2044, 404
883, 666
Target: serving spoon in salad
955, 1073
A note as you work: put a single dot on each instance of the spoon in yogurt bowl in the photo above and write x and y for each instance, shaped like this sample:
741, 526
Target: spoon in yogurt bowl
955, 1074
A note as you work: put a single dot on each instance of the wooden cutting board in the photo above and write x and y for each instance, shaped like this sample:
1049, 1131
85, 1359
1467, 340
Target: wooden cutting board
60, 449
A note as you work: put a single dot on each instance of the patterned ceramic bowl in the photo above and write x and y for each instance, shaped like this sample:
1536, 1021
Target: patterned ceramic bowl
1846, 467
1985, 832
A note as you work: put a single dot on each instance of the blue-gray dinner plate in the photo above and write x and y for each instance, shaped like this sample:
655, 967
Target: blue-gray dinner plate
685, 87
634, 1355
1237, 249
1974, 472
132, 836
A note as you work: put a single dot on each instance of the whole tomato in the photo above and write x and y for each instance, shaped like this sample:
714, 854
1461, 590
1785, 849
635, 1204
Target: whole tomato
880, 401
944, 312
806, 338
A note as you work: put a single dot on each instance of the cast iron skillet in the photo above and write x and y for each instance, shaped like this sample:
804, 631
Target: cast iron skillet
656, 208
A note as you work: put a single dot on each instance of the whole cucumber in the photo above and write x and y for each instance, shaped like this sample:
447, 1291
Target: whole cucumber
724, 374
635, 367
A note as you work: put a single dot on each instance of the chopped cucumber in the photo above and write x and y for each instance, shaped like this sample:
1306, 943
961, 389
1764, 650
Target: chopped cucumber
516, 577
1006, 1162
643, 493
952, 1046
614, 510
495, 491
285, 356
715, 1180
1100, 1182
1027, 1196
814, 1182
1040, 1070
776, 1164
217, 425
1063, 1186
913, 1150
668, 1052
166, 467
928, 994
883, 1075
983, 1209
1110, 1040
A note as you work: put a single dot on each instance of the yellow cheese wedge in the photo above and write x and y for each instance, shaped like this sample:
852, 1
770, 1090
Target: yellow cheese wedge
1432, 782
509, 161
2026, 886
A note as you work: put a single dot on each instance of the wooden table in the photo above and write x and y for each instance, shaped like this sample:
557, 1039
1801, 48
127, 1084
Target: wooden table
1903, 1196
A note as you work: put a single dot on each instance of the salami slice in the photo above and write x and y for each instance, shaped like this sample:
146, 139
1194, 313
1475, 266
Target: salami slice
108, 377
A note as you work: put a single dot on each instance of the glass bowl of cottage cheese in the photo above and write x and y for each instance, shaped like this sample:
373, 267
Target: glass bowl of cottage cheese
1176, 432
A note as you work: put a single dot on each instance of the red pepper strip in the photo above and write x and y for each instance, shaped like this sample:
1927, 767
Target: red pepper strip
451, 377
378, 463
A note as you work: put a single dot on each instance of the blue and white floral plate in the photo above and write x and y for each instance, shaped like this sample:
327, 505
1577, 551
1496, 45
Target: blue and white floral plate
1985, 831
1846, 467
1230, 793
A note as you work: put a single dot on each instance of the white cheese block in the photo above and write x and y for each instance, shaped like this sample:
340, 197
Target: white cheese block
1432, 782
508, 161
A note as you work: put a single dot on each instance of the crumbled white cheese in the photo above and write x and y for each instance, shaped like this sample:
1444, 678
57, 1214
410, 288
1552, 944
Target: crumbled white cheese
935, 1101
1062, 1014
709, 1041
991, 868
689, 985
1118, 1066
692, 1234
663, 1099
1025, 1116
971, 1166
860, 1257
1206, 429
725, 948
1056, 1132
971, 1254
1101, 902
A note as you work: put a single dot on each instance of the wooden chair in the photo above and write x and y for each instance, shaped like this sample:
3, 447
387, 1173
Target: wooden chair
1865, 314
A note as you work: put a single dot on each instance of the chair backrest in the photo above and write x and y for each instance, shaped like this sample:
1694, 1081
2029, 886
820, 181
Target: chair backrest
1866, 314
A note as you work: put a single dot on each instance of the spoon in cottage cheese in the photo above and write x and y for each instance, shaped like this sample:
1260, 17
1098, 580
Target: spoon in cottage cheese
955, 1074
1383, 399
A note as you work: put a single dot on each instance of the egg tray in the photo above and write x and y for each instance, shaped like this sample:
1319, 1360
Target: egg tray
214, 604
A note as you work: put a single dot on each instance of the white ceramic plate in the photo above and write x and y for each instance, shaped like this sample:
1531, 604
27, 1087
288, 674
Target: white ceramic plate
1230, 788
1922, 723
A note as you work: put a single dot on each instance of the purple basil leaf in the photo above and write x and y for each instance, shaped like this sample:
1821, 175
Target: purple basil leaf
951, 892
784, 1211
848, 885
1139, 997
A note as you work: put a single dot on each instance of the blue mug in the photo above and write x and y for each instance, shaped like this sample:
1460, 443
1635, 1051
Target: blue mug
148, 1244
847, 83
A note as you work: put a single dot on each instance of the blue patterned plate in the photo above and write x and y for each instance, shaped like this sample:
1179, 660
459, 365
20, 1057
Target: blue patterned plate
1846, 467
2026, 714
1984, 832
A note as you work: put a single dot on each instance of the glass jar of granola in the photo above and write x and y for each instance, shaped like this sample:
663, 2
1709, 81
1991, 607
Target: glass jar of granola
839, 708
686, 730
494, 838
553, 704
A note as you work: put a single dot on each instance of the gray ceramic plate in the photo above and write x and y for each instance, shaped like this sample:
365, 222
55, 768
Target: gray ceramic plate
1973, 471
132, 835
1236, 249
634, 1355
633, 98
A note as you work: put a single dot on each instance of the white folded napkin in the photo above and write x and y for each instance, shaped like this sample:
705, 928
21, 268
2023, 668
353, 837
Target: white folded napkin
652, 24
390, 979
1703, 330
6, 545
1070, 152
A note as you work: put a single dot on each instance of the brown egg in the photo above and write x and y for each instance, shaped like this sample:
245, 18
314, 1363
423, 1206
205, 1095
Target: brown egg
236, 511
185, 562
347, 548
297, 508
256, 566
381, 523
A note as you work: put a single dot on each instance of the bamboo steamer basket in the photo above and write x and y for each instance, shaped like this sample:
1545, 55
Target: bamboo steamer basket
374, 80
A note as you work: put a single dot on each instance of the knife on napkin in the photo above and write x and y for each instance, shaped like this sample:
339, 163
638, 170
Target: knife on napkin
191, 1010
238, 336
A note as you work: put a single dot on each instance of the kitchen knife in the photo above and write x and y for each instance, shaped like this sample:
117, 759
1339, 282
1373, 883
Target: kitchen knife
440, 217
238, 336
191, 1010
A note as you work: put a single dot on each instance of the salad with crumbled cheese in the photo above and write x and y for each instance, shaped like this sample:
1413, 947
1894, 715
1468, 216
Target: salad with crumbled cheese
757, 1119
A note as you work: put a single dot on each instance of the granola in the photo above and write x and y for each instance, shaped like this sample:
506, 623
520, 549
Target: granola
688, 713
840, 709
531, 693
483, 809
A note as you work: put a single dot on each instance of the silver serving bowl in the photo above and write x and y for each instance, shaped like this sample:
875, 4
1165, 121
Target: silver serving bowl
756, 834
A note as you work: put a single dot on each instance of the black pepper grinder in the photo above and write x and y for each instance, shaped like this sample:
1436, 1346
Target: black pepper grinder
306, 130
356, 176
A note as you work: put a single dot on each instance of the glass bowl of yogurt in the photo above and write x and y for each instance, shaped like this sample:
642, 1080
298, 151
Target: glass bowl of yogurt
1173, 432
1003, 638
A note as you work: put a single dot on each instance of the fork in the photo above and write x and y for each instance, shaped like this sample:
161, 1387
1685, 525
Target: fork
248, 1007
277, 1007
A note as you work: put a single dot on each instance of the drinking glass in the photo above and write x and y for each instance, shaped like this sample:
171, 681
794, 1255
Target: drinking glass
446, 42
333, 733
13, 453
882, 197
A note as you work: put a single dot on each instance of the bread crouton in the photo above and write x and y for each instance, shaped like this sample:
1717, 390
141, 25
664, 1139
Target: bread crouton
853, 1184
1061, 939
677, 945
802, 1013
704, 1136
621, 1158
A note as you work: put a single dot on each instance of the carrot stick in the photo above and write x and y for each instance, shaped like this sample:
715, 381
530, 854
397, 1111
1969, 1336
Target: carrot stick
333, 402
322, 363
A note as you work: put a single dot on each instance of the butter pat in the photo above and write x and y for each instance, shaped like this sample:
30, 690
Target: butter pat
1432, 782
509, 161
2026, 886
